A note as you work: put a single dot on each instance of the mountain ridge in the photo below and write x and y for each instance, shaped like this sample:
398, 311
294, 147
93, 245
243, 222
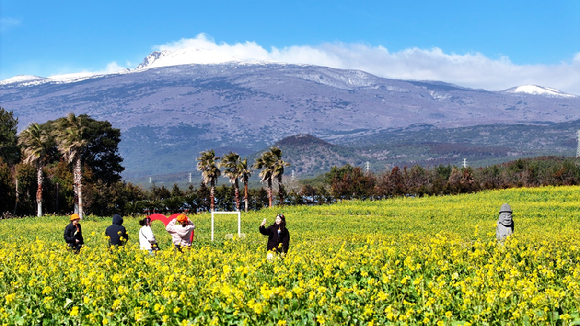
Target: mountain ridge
168, 115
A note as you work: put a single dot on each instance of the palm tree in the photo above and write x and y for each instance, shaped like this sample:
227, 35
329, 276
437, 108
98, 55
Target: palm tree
267, 162
69, 137
36, 145
245, 174
210, 173
231, 163
278, 167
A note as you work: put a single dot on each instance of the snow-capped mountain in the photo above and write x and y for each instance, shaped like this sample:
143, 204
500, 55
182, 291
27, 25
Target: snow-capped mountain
166, 58
170, 108
21, 79
539, 90
28, 80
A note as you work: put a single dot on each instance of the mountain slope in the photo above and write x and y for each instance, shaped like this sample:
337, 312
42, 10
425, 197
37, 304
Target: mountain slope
168, 115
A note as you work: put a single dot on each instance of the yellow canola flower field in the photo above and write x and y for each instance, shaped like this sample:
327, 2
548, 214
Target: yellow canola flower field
415, 261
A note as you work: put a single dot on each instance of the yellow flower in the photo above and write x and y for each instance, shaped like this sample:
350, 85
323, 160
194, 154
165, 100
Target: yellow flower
159, 308
74, 311
10, 297
258, 308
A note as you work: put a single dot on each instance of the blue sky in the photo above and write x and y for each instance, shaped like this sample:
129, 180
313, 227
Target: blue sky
482, 44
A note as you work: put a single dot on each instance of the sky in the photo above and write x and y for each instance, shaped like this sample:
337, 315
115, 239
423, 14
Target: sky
490, 44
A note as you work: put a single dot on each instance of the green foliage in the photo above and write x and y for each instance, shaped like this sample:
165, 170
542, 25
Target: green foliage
95, 142
102, 151
100, 146
9, 149
27, 185
7, 190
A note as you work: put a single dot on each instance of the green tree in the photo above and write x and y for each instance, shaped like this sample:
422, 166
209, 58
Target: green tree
159, 193
207, 164
233, 170
339, 181
7, 198
101, 153
71, 139
9, 150
60, 198
26, 185
36, 144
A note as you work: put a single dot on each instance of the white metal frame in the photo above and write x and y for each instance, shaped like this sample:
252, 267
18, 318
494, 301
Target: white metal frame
239, 222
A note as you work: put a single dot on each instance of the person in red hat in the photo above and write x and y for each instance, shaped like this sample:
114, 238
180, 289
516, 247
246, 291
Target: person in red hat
181, 229
73, 233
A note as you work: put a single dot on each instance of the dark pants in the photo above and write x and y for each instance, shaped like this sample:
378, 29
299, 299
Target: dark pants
75, 246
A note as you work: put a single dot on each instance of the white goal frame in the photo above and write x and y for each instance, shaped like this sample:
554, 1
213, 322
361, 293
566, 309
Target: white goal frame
239, 222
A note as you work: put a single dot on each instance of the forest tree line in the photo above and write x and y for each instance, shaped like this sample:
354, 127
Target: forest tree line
44, 168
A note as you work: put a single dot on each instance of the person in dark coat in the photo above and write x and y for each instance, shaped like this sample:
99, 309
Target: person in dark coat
278, 236
116, 232
505, 224
73, 233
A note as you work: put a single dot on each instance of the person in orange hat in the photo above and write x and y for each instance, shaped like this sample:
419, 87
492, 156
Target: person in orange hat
181, 229
73, 233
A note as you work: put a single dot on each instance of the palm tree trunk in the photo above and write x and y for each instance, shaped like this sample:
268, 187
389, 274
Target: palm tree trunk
281, 192
270, 192
40, 180
246, 196
78, 201
237, 195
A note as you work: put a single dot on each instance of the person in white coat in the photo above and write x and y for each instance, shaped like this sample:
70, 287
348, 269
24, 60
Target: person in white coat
181, 230
147, 239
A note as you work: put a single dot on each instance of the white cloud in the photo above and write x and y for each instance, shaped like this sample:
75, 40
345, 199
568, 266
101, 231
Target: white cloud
113, 67
473, 70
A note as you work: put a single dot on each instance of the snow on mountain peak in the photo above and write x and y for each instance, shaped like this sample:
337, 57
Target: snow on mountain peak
20, 79
194, 55
539, 90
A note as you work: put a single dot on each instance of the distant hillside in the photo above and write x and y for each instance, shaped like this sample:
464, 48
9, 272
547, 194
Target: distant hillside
422, 145
168, 115
310, 156
482, 145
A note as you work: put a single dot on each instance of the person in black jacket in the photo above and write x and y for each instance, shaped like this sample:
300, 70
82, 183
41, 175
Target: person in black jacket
278, 236
116, 232
73, 233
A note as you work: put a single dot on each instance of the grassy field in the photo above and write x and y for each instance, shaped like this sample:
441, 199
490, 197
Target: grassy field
402, 261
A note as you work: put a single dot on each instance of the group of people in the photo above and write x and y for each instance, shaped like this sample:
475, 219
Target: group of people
73, 233
181, 230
